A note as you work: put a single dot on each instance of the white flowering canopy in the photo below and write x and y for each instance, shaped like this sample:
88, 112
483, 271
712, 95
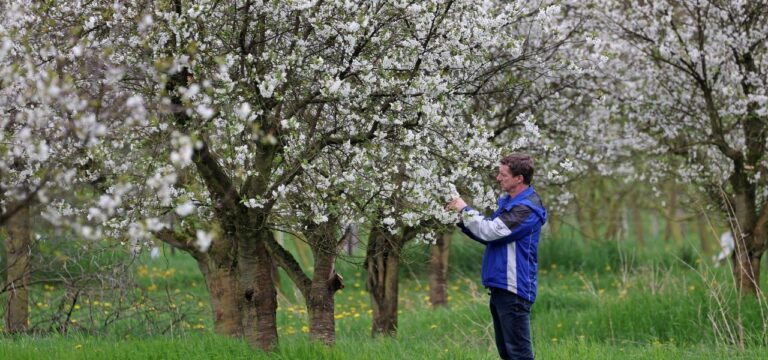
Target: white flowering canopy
58, 97
361, 109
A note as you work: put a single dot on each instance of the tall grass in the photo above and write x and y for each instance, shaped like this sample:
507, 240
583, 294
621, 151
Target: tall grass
597, 300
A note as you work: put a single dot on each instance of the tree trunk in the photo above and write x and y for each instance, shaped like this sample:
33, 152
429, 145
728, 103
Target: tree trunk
585, 227
258, 293
554, 224
746, 270
219, 269
654, 225
674, 229
351, 238
748, 234
18, 247
704, 234
614, 219
637, 226
325, 283
221, 280
383, 265
438, 270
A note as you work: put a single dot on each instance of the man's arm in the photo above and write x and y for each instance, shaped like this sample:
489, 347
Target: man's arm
469, 233
506, 228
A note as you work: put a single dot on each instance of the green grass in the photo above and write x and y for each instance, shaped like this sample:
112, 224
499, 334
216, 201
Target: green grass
593, 303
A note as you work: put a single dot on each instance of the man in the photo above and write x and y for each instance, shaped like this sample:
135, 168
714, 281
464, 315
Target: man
511, 237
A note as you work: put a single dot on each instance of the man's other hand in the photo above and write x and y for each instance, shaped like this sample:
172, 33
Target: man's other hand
456, 204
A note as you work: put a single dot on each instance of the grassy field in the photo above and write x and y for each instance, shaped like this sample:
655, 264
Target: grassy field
596, 301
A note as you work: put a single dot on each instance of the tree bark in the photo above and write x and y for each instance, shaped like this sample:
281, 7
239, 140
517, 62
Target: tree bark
351, 238
749, 233
221, 280
637, 226
219, 270
746, 269
554, 225
18, 247
585, 227
319, 291
320, 304
239, 276
674, 230
438, 270
704, 234
258, 291
383, 265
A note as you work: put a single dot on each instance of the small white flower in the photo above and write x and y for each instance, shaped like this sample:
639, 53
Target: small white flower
185, 209
319, 219
204, 111
267, 87
204, 240
567, 165
253, 203
243, 111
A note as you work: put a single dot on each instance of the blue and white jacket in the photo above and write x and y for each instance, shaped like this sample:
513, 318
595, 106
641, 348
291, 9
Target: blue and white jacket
511, 237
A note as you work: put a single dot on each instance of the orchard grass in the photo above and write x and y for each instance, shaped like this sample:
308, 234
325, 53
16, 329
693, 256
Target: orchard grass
604, 307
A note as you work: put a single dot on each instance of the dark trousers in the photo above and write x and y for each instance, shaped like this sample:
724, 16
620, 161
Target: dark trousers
512, 324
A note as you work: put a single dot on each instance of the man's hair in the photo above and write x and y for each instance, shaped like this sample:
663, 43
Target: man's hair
520, 164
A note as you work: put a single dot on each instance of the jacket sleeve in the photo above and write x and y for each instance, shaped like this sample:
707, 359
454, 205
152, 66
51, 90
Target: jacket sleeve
470, 234
510, 225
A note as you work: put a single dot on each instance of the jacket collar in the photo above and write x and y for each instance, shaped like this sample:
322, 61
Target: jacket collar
507, 199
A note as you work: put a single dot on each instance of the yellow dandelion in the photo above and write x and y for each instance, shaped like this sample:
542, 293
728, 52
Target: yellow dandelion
78, 346
622, 293
305, 329
433, 327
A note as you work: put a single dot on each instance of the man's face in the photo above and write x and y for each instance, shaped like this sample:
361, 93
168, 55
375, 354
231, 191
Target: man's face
507, 181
